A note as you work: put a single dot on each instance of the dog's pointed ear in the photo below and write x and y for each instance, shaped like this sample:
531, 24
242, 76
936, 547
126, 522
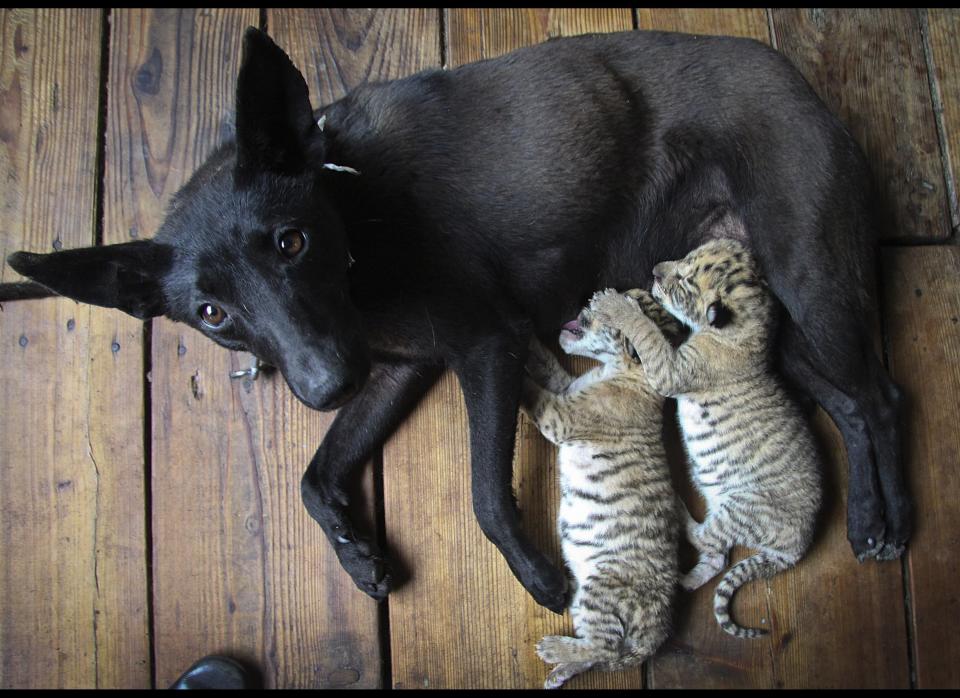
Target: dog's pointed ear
125, 276
276, 130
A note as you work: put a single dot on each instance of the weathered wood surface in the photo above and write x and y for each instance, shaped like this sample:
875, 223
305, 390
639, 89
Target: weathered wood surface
922, 315
868, 66
239, 567
49, 107
944, 28
490, 624
750, 23
73, 592
473, 34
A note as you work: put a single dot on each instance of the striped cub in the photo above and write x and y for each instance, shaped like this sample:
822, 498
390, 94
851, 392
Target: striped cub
618, 522
752, 454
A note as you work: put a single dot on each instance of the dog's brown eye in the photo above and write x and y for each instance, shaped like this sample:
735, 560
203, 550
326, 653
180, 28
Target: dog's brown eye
291, 243
212, 315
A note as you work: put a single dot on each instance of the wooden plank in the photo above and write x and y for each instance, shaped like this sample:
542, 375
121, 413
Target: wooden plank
49, 108
869, 68
73, 593
944, 27
239, 566
463, 620
923, 324
170, 101
750, 23
337, 49
477, 33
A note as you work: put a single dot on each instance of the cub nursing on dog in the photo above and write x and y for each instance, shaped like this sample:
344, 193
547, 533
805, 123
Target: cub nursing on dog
617, 520
752, 455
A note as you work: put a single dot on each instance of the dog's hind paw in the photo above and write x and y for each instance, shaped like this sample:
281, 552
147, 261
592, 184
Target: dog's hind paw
867, 549
891, 550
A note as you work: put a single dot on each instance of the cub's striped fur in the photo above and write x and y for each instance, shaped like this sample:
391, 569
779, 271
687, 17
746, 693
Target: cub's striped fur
618, 521
753, 456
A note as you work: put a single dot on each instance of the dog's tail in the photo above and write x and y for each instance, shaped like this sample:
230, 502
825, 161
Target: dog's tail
761, 565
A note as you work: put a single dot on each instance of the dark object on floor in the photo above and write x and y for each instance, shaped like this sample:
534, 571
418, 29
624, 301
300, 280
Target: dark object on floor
215, 671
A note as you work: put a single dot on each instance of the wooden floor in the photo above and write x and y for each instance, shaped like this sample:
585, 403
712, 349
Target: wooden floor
149, 506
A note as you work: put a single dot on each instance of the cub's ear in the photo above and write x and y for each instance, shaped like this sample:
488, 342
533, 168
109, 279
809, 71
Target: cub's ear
276, 130
718, 315
125, 276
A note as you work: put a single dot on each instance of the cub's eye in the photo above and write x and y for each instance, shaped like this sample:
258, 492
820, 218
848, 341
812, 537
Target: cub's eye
291, 243
212, 315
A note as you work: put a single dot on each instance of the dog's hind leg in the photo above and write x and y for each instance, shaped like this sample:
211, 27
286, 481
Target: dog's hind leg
361, 425
817, 245
864, 404
491, 374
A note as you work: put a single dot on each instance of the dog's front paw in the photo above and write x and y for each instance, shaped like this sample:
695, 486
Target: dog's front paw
366, 566
550, 589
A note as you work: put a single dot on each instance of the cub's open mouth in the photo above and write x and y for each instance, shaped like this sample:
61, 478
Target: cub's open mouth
573, 327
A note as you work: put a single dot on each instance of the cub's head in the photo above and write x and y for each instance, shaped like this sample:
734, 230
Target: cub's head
588, 336
716, 287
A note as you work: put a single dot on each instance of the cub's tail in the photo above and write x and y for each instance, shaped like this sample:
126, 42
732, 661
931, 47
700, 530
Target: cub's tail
761, 565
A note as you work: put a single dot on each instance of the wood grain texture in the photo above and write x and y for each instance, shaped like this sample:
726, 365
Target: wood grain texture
868, 66
828, 612
750, 23
73, 593
171, 89
337, 49
477, 33
922, 304
239, 566
49, 107
944, 27
464, 620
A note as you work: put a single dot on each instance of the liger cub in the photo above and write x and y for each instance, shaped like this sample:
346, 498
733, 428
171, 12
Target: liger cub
752, 454
618, 522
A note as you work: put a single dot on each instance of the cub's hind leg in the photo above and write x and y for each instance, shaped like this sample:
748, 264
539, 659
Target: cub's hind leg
562, 673
713, 544
562, 649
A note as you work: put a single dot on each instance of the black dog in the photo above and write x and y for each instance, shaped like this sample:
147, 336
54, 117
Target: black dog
485, 204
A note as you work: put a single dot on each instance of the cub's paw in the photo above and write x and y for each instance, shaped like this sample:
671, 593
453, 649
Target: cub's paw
557, 649
613, 308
